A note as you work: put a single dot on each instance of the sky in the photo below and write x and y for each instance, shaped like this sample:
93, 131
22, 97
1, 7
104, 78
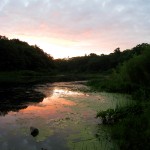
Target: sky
68, 28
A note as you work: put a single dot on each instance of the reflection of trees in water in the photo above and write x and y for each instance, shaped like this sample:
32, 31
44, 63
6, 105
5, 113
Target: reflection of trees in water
16, 98
5, 109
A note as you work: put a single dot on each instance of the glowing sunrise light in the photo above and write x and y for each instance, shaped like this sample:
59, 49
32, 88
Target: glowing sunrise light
57, 48
74, 28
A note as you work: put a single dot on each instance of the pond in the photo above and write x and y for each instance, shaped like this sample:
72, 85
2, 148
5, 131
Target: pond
63, 112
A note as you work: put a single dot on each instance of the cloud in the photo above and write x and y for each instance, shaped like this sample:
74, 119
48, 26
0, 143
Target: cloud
105, 24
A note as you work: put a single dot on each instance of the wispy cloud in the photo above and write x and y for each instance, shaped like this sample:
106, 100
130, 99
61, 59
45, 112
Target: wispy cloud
100, 24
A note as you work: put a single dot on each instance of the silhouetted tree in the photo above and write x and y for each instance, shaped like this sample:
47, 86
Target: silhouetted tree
18, 55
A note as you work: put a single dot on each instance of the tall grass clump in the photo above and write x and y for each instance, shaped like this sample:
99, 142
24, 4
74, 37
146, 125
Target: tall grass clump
130, 126
133, 132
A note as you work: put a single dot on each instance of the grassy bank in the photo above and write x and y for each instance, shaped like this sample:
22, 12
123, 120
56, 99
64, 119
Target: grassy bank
129, 125
133, 131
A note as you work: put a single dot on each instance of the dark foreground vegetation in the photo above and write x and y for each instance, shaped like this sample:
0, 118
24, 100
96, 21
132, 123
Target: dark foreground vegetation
132, 76
123, 72
130, 124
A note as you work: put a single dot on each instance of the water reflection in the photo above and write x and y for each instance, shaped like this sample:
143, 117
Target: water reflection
48, 112
17, 98
63, 115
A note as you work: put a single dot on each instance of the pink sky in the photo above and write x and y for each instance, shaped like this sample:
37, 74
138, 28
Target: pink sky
65, 28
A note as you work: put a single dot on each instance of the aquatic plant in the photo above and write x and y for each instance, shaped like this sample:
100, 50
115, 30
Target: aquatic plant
111, 116
130, 126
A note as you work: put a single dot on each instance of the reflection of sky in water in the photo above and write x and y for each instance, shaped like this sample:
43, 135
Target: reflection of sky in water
64, 115
48, 116
57, 92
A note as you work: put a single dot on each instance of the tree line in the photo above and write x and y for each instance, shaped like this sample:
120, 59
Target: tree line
130, 76
98, 63
18, 55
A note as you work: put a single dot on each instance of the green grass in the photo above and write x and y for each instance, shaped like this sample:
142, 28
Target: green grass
129, 126
133, 132
111, 116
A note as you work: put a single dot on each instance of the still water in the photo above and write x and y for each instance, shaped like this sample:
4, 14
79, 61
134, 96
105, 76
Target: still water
63, 112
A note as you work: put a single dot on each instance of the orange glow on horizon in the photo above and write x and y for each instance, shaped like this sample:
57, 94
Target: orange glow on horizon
57, 48
74, 28
62, 48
